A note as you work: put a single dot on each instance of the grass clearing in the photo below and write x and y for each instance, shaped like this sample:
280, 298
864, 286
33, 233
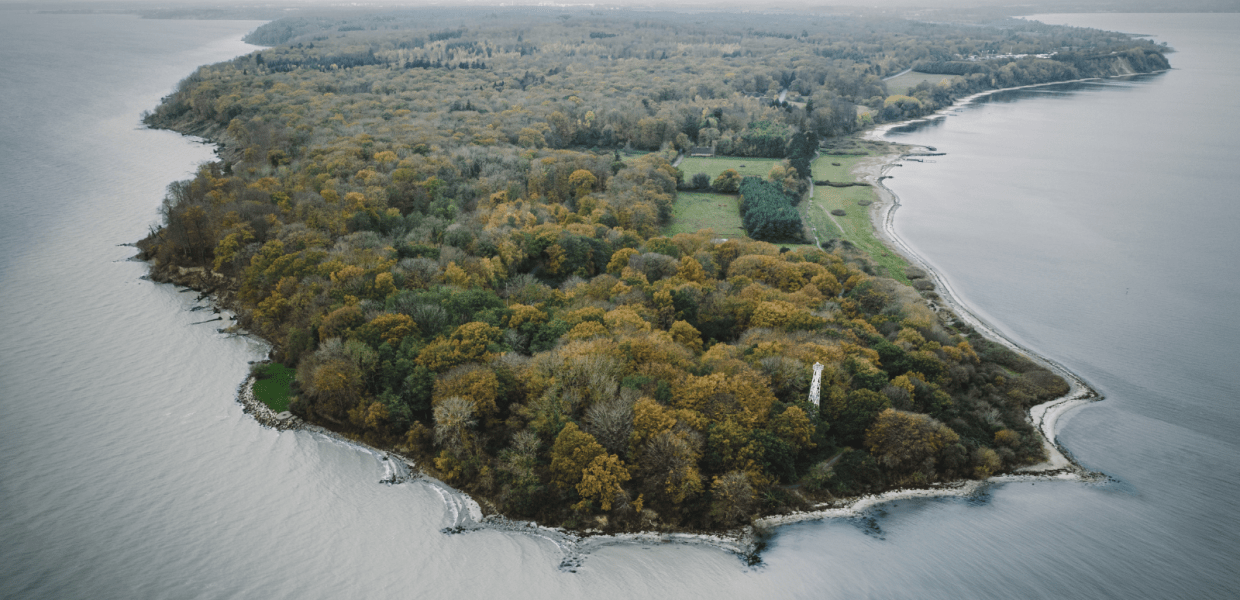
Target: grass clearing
855, 225
272, 386
695, 211
903, 83
757, 167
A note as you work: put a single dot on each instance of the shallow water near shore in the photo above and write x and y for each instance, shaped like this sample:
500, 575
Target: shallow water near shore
131, 472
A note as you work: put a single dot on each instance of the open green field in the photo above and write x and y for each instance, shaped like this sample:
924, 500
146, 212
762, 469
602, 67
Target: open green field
757, 167
901, 84
695, 211
273, 389
855, 225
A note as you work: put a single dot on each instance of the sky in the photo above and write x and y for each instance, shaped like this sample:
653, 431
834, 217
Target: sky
1016, 5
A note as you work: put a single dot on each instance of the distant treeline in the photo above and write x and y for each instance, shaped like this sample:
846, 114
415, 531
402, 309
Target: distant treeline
1060, 66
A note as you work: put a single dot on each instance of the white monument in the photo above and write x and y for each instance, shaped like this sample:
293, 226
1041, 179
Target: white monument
815, 384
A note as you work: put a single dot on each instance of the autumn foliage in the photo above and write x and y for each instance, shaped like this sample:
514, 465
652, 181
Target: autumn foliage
485, 286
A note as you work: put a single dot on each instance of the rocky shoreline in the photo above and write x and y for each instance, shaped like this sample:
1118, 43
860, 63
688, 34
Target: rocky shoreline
266, 417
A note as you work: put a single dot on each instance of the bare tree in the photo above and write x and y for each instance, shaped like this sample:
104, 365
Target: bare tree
733, 497
453, 418
610, 421
669, 466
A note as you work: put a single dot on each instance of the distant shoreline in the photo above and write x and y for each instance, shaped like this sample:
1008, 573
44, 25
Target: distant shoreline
878, 131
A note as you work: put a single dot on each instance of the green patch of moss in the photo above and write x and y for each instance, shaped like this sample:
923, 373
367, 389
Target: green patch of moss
273, 385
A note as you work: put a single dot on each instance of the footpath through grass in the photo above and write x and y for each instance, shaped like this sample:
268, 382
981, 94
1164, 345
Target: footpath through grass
273, 385
854, 226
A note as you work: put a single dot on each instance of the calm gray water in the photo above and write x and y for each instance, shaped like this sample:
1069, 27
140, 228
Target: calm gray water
1092, 223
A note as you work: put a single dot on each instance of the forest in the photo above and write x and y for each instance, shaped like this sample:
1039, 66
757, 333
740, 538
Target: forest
450, 223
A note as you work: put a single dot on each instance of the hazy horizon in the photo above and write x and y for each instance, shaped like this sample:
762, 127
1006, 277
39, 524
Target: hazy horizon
916, 9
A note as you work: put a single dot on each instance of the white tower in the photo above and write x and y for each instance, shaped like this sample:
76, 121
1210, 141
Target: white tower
815, 384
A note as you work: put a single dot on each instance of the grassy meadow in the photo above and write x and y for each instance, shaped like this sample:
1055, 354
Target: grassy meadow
855, 225
757, 167
695, 211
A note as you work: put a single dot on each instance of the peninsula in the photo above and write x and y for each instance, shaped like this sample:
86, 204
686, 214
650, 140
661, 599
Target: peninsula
583, 265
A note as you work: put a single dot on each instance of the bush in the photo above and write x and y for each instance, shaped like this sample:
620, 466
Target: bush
727, 182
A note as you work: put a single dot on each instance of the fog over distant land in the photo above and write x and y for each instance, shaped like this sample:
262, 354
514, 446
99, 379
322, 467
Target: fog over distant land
953, 10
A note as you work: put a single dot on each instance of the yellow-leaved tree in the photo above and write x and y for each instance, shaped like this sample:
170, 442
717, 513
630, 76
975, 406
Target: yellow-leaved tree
582, 182
794, 427
572, 452
477, 383
601, 481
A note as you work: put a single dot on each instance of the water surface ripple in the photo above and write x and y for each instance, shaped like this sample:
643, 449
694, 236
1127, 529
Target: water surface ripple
1094, 225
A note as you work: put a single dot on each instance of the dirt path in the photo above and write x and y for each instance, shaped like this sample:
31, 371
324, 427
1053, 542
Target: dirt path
824, 211
898, 74
832, 217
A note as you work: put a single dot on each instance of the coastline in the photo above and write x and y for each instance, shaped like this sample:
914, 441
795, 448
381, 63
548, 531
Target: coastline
747, 542
1060, 464
877, 132
1043, 416
465, 514
882, 213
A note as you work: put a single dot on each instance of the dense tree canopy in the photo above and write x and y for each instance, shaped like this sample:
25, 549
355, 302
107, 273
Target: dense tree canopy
456, 236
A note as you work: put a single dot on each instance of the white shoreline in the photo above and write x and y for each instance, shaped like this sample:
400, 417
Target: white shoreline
466, 513
1043, 417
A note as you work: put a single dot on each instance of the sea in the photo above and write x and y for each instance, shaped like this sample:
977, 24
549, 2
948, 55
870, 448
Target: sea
1092, 223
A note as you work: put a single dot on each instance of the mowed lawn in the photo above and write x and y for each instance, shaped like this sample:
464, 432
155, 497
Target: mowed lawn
757, 167
696, 211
